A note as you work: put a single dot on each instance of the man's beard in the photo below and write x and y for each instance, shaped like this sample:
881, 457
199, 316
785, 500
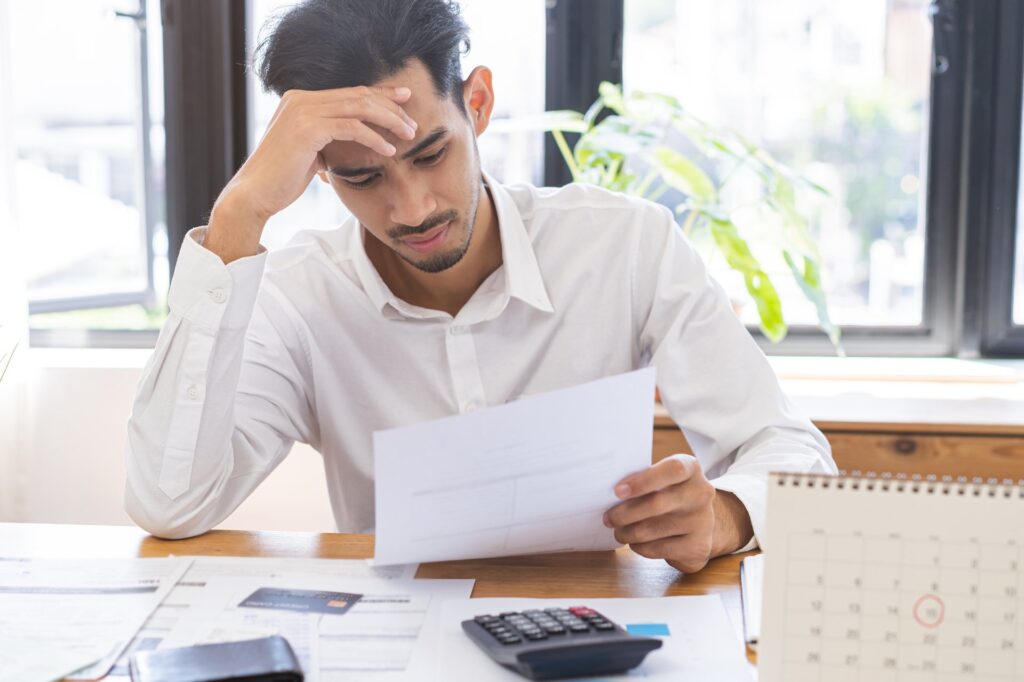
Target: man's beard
442, 261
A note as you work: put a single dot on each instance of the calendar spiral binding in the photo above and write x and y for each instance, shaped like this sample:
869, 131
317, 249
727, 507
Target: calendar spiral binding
915, 484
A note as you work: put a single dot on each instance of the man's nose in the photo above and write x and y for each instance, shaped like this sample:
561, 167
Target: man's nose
412, 204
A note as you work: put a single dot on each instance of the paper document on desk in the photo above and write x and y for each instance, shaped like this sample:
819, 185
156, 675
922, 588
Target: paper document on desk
531, 476
60, 616
372, 640
189, 590
698, 641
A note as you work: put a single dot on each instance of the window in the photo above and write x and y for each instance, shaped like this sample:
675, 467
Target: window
1018, 278
507, 37
84, 97
836, 90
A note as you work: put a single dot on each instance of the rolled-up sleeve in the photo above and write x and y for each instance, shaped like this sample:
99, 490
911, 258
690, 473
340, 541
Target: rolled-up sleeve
221, 400
713, 379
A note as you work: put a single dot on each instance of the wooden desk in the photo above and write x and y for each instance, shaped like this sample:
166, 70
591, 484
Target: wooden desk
585, 575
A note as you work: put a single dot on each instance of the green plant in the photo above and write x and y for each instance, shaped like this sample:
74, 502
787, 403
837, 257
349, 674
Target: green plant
628, 151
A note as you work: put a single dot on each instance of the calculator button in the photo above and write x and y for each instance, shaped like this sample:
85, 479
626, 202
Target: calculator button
554, 629
536, 635
579, 628
604, 626
510, 639
485, 619
506, 614
582, 611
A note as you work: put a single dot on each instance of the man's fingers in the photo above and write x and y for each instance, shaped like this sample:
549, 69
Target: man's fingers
669, 471
386, 98
367, 110
688, 554
656, 528
351, 130
675, 498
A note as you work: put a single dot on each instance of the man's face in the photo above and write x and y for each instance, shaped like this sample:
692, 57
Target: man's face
422, 202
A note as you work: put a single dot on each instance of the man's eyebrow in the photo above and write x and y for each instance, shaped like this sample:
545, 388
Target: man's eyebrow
417, 148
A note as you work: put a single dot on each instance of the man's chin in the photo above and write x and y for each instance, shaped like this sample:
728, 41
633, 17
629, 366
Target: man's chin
439, 262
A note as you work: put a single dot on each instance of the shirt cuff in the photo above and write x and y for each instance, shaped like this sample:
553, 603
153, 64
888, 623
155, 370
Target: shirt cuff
210, 294
751, 491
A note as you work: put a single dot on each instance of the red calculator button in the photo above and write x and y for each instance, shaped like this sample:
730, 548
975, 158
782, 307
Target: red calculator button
581, 611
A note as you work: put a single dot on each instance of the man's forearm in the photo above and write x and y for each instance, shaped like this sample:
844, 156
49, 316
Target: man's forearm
733, 529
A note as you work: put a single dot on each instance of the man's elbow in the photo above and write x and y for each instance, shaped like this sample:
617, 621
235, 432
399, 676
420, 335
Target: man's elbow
168, 523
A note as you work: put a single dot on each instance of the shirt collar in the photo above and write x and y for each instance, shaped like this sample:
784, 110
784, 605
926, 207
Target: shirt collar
522, 277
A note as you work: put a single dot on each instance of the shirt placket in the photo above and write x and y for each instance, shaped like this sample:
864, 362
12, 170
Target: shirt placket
465, 370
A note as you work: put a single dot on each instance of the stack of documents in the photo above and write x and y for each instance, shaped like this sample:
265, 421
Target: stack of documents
61, 616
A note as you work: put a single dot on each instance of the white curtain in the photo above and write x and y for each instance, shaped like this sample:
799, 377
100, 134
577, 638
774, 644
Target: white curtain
14, 431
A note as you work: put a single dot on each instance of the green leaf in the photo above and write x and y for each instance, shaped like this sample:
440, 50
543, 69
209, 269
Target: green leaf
564, 120
611, 95
808, 278
740, 258
684, 175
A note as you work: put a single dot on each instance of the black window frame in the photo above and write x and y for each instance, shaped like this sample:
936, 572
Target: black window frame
972, 170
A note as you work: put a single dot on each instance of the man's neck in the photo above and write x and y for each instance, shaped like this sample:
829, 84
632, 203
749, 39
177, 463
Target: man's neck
451, 289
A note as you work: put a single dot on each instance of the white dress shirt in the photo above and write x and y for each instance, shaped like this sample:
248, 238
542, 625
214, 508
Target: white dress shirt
308, 344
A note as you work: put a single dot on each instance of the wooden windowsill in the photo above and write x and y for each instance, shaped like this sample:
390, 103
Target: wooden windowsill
905, 395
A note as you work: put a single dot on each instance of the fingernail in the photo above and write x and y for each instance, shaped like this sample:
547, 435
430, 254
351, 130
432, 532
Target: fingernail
605, 521
622, 490
403, 92
389, 149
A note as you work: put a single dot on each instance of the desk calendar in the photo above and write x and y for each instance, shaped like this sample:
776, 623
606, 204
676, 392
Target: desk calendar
886, 579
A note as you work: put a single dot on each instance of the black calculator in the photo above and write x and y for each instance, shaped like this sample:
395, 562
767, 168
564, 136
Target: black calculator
550, 643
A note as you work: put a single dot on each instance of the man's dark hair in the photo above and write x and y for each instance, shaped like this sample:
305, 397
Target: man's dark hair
323, 44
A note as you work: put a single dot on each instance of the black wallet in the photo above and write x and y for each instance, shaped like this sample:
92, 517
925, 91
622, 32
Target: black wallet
269, 659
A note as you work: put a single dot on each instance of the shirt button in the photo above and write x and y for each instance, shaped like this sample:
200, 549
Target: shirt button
473, 405
192, 392
455, 330
218, 295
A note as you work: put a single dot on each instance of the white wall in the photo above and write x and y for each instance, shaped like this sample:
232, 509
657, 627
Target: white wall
71, 460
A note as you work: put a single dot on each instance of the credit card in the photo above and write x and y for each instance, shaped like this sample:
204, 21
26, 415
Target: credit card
308, 601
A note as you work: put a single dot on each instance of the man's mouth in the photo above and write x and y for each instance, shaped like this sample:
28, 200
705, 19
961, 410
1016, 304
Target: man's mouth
429, 240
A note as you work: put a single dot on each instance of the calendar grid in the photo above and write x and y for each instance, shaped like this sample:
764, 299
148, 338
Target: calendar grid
932, 608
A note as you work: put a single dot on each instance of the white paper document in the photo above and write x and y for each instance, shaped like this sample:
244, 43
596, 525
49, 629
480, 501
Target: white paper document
64, 616
531, 476
189, 590
374, 640
698, 641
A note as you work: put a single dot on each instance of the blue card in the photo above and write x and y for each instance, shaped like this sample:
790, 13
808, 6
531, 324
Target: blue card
307, 601
648, 629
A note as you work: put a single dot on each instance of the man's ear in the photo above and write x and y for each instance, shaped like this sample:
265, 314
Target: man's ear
478, 93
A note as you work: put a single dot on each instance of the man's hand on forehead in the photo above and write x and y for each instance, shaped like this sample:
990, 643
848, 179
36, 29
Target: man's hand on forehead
290, 153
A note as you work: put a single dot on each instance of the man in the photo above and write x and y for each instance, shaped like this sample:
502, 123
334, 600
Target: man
445, 292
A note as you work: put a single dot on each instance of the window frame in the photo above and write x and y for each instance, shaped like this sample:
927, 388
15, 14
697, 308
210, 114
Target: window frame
971, 174
145, 190
970, 180
994, 201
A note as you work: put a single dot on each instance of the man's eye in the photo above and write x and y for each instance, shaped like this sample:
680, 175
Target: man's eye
362, 183
433, 158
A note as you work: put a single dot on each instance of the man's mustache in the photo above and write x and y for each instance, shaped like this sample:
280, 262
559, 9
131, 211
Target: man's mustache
430, 223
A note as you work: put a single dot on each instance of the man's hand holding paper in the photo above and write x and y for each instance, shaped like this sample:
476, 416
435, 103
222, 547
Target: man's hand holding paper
535, 475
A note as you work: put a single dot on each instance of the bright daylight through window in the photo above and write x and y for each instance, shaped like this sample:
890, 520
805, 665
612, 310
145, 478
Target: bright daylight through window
836, 90
88, 137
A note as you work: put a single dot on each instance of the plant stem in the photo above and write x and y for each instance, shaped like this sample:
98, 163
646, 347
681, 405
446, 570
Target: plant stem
567, 154
691, 217
645, 184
